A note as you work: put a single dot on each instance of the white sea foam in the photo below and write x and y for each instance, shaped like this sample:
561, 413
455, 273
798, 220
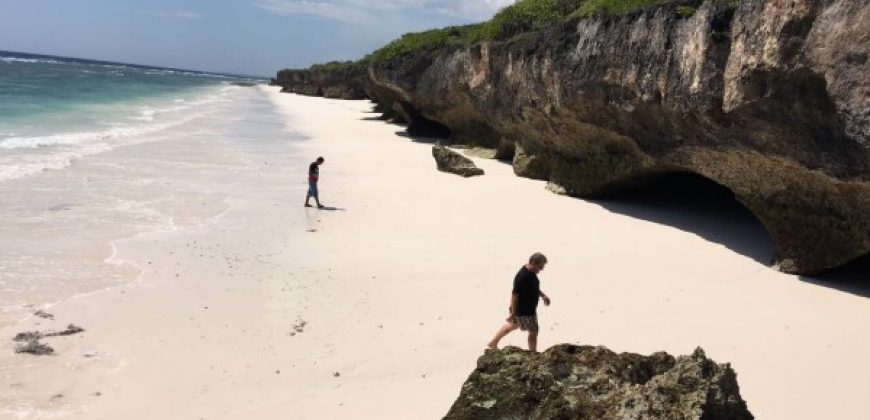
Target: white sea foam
26, 156
146, 114
173, 72
30, 164
116, 66
78, 138
167, 72
34, 142
29, 60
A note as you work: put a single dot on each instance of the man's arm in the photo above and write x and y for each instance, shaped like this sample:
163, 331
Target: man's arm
515, 300
545, 298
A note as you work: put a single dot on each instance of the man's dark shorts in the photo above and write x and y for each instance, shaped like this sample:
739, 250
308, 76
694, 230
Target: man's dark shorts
312, 189
528, 323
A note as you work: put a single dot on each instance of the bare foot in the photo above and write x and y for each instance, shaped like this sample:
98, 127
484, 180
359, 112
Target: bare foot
307, 205
321, 206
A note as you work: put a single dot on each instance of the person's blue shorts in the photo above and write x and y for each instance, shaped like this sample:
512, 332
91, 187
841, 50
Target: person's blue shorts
312, 189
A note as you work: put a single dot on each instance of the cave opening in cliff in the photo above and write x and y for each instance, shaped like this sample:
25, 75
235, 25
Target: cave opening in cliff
422, 128
425, 128
696, 204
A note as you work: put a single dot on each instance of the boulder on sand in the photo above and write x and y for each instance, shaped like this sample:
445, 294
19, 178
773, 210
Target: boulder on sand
586, 382
450, 161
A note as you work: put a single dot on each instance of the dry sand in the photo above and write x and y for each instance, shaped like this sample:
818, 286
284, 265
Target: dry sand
379, 309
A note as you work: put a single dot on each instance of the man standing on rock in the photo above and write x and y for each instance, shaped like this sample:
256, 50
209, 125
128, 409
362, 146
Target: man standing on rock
313, 175
524, 302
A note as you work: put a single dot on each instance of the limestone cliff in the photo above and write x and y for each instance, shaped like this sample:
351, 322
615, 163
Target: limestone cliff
767, 98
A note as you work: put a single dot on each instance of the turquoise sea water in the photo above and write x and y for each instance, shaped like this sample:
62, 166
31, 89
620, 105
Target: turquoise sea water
55, 109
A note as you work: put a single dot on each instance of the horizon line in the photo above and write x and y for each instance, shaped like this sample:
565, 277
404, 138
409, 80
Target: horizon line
151, 66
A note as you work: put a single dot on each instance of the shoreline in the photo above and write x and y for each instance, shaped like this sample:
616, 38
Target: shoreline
399, 291
76, 201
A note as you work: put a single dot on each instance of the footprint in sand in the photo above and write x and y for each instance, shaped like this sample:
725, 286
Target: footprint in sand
299, 327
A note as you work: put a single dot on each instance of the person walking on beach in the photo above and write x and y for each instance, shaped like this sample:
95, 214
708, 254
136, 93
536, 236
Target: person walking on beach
313, 175
524, 302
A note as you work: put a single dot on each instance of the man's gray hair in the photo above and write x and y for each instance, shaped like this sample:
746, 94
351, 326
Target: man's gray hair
538, 258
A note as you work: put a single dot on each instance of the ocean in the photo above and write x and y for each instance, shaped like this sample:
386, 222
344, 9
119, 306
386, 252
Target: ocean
95, 154
54, 110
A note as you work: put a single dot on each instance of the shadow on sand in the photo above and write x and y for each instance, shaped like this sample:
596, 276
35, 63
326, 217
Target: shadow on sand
422, 139
327, 208
852, 278
324, 207
694, 204
698, 205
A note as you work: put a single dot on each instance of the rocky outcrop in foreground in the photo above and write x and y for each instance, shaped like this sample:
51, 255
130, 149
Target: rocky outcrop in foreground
768, 98
449, 161
585, 382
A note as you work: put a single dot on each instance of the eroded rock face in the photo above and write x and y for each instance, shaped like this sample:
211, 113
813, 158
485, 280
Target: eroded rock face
585, 382
341, 84
450, 161
768, 98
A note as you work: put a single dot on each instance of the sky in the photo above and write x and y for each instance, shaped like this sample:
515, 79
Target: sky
250, 37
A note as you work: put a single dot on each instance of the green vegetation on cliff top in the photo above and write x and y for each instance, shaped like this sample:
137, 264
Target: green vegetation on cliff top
335, 65
429, 40
527, 15
612, 7
522, 17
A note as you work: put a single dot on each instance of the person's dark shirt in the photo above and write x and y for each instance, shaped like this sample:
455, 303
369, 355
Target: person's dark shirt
313, 172
528, 288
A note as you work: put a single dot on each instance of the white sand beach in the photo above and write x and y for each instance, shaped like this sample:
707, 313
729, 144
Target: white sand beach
242, 304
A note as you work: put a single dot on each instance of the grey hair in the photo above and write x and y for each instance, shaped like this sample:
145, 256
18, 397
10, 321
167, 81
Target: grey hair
538, 258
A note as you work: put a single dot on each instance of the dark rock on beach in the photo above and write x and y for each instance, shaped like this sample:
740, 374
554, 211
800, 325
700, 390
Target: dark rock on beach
35, 348
70, 330
44, 315
585, 382
450, 161
32, 344
27, 336
770, 99
35, 335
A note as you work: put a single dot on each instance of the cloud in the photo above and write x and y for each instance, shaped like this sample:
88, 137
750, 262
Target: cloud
356, 11
325, 9
172, 14
471, 10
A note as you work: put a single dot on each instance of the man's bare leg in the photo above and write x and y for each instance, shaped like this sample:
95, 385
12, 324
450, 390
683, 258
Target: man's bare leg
503, 331
307, 197
533, 342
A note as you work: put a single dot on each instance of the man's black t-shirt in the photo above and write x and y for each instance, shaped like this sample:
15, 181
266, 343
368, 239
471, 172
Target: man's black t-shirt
528, 288
313, 172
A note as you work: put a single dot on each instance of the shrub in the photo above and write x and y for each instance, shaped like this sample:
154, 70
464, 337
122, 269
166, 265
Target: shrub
612, 7
686, 11
525, 15
522, 16
428, 40
335, 65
